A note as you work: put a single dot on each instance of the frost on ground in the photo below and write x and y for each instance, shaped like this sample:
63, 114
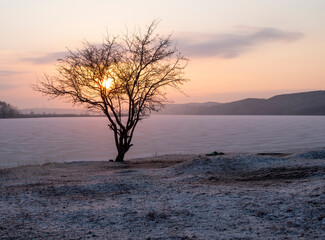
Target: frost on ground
169, 197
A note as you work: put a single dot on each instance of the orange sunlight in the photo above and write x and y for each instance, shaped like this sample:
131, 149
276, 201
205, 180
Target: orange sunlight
107, 82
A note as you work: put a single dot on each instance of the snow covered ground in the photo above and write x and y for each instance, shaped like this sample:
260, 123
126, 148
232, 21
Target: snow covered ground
235, 196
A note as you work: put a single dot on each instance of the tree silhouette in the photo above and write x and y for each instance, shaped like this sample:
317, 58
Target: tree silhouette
8, 111
124, 77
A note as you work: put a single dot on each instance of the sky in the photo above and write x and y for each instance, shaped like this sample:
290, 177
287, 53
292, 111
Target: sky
237, 48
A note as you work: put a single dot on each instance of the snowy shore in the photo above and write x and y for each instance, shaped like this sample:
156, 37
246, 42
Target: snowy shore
235, 196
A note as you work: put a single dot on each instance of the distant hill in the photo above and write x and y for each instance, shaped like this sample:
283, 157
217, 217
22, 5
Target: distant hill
187, 108
305, 103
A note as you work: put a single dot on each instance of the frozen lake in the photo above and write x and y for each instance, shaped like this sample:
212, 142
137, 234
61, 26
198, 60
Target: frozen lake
41, 140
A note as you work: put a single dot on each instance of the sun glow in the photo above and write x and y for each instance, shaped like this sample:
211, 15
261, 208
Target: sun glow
107, 82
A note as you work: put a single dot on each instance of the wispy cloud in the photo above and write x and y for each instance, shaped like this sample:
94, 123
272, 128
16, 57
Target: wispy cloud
5, 73
233, 44
196, 44
46, 58
5, 86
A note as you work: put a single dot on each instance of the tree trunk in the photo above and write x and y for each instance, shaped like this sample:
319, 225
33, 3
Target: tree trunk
122, 147
120, 156
121, 151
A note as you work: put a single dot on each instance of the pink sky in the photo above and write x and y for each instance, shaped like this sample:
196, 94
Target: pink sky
237, 48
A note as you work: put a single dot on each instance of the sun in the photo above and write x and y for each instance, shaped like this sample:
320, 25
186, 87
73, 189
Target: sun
107, 82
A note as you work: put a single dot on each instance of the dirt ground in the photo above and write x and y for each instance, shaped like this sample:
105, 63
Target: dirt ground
235, 196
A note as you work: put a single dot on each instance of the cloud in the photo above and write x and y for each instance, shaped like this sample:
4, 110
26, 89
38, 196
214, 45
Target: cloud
231, 45
4, 73
45, 59
197, 44
5, 86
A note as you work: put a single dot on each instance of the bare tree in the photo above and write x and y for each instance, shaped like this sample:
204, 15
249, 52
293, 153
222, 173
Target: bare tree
124, 77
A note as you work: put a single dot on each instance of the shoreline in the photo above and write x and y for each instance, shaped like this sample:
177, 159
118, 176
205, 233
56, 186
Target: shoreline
244, 196
165, 159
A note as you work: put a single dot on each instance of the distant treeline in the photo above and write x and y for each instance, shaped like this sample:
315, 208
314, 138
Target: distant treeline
9, 111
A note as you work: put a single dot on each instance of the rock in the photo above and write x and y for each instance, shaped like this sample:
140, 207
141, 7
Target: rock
215, 153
